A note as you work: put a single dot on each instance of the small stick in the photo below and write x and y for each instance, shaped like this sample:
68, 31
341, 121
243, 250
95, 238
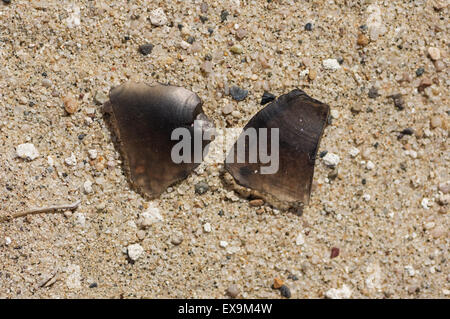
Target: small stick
40, 210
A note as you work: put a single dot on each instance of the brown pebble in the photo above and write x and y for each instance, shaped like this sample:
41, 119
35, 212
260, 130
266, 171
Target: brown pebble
277, 283
256, 202
334, 252
206, 67
241, 34
439, 65
140, 234
312, 74
70, 104
260, 211
176, 240
362, 40
436, 121
426, 82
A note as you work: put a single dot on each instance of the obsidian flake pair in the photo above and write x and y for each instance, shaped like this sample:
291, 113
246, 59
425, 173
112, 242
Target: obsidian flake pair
144, 117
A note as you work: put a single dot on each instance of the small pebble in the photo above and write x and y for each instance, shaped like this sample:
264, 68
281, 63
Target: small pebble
237, 93
223, 15
299, 240
93, 285
158, 17
47, 83
241, 34
309, 26
399, 103
237, 49
285, 291
436, 121
331, 159
27, 151
434, 53
207, 228
331, 64
146, 49
135, 251
70, 104
71, 161
373, 93
141, 234
420, 71
426, 82
176, 240
363, 40
233, 291
92, 154
204, 7
444, 187
312, 74
439, 65
223, 243
334, 252
87, 186
100, 98
201, 188
227, 109
277, 283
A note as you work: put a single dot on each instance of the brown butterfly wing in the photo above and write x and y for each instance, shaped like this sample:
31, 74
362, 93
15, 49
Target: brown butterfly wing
301, 121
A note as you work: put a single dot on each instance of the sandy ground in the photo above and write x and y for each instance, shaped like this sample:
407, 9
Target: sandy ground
385, 208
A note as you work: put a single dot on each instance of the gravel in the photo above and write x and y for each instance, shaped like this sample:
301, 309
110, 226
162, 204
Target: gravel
27, 151
238, 93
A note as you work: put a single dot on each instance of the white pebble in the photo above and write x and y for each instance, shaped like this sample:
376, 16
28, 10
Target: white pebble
334, 113
342, 293
27, 151
74, 17
426, 203
366, 197
93, 154
353, 152
71, 161
87, 186
331, 159
370, 165
152, 215
207, 228
435, 53
331, 64
300, 240
223, 244
135, 251
410, 270
184, 45
158, 17
8, 241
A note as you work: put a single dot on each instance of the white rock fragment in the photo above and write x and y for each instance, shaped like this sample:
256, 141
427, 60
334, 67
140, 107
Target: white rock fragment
353, 152
223, 244
434, 53
331, 64
342, 293
74, 17
426, 203
374, 278
184, 45
8, 241
27, 151
207, 228
73, 280
331, 159
375, 22
299, 240
87, 186
334, 113
135, 251
366, 197
50, 161
93, 154
158, 17
370, 165
410, 270
71, 161
151, 216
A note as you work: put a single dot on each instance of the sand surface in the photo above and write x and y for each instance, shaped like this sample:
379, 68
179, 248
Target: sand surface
385, 206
